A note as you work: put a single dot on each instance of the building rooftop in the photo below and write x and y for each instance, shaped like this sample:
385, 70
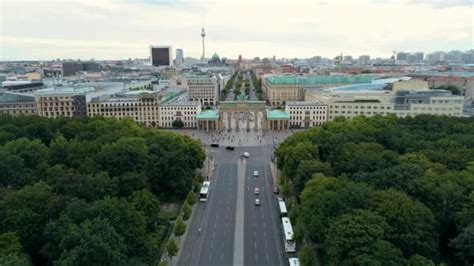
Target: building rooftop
208, 115
319, 80
277, 114
297, 103
358, 87
9, 97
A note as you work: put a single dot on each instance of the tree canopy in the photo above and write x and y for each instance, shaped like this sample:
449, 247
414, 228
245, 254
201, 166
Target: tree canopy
373, 187
88, 191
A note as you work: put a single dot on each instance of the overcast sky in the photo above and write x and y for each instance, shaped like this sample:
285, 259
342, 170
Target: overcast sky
119, 29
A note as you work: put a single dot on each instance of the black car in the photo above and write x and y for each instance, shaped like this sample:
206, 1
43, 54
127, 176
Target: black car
276, 190
230, 148
214, 145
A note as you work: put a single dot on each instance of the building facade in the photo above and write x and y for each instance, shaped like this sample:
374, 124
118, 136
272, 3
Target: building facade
17, 104
185, 112
142, 108
61, 105
306, 114
403, 103
280, 89
203, 89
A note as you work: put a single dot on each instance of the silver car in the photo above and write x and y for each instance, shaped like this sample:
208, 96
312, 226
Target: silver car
257, 202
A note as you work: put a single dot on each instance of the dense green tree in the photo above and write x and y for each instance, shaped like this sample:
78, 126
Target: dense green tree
427, 159
305, 170
33, 152
172, 248
418, 260
290, 158
325, 198
127, 222
27, 211
413, 224
93, 242
191, 198
149, 204
306, 255
466, 214
177, 124
130, 182
59, 179
179, 227
11, 250
464, 244
359, 236
186, 211
12, 171
125, 155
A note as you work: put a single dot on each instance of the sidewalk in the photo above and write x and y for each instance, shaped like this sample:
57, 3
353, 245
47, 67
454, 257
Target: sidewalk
274, 171
182, 239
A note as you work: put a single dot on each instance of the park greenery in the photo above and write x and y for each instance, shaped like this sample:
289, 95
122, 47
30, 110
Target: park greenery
257, 83
148, 87
382, 191
90, 191
453, 89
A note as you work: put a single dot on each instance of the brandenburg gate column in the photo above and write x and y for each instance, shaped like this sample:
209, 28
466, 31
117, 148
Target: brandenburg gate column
247, 120
265, 121
220, 123
229, 121
237, 121
255, 122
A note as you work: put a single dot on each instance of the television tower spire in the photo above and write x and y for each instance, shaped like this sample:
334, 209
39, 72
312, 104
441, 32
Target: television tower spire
203, 34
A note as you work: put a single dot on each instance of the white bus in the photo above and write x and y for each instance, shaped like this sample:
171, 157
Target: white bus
282, 206
290, 244
294, 261
204, 193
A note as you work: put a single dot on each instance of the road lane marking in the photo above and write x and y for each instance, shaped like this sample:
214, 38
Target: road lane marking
238, 258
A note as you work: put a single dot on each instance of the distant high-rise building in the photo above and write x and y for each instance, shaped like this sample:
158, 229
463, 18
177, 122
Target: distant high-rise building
161, 55
179, 56
411, 58
419, 56
453, 56
468, 57
203, 35
316, 59
71, 68
435, 57
364, 59
348, 58
401, 56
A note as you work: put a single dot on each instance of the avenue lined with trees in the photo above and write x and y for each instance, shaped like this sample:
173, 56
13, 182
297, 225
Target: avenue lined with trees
382, 191
90, 191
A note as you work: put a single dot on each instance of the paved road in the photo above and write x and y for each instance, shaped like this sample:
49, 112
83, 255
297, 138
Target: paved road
263, 240
218, 241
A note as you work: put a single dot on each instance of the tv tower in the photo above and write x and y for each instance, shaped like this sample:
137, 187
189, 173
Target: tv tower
203, 34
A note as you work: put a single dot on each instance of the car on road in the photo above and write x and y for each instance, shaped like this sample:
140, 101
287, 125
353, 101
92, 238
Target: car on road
257, 202
276, 189
280, 199
214, 145
256, 191
230, 148
255, 173
246, 155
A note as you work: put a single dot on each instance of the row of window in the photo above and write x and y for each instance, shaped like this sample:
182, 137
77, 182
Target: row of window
312, 118
55, 103
361, 107
122, 104
308, 107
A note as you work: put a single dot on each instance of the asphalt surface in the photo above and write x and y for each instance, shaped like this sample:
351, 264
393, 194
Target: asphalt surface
215, 233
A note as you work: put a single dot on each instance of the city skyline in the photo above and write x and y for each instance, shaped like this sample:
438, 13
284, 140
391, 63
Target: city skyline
122, 29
